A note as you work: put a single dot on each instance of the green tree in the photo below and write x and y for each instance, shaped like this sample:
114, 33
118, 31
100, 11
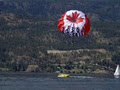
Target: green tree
116, 58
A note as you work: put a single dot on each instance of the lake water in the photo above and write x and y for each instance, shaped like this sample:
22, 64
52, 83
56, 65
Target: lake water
52, 82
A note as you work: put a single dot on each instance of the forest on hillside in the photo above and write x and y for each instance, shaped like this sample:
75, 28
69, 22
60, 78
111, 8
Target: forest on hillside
28, 29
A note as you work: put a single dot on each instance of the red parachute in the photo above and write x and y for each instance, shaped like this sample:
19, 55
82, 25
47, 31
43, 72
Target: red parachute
74, 23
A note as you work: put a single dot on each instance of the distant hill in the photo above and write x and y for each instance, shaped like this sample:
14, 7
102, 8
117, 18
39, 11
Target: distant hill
52, 9
28, 29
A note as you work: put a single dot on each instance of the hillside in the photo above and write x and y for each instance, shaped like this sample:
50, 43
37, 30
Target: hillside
28, 29
52, 9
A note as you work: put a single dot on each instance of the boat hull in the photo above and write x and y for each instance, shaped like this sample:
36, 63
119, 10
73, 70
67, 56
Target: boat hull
63, 75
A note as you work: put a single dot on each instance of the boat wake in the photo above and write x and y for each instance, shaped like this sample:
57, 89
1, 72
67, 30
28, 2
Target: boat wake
81, 77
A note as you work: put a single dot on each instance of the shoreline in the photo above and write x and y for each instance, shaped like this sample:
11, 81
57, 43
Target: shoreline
34, 74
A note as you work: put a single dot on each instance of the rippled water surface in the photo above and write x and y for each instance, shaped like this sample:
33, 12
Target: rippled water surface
52, 82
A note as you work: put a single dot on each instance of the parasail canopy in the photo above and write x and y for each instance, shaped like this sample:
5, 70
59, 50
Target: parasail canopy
74, 23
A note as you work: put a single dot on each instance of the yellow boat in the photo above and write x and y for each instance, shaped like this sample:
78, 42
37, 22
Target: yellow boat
63, 75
